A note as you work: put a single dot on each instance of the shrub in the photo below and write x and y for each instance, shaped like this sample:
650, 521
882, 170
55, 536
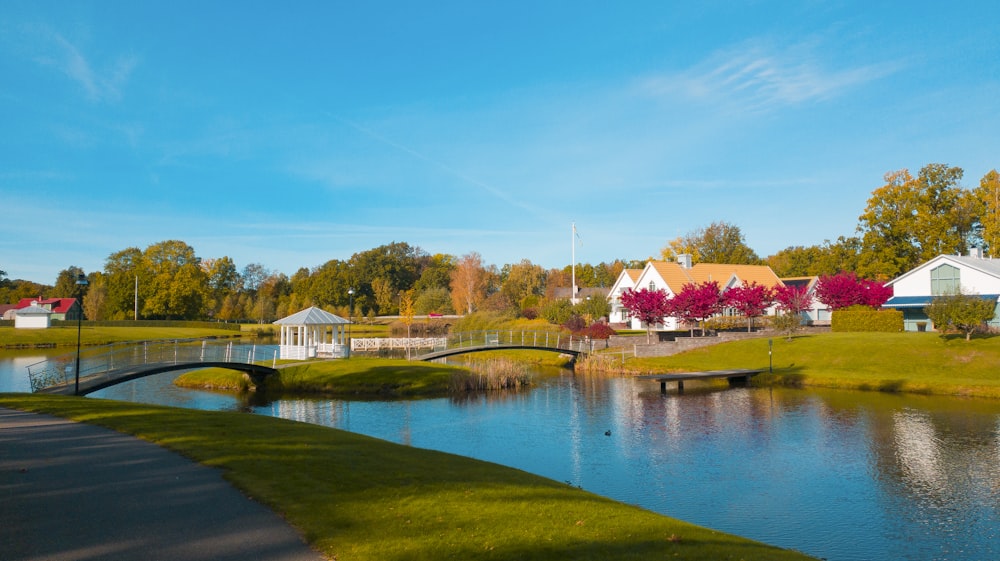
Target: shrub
599, 330
557, 312
575, 323
863, 318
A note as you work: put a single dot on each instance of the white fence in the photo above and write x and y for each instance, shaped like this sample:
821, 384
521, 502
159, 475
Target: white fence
386, 343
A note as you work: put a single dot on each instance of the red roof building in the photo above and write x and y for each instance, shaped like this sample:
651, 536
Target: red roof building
61, 308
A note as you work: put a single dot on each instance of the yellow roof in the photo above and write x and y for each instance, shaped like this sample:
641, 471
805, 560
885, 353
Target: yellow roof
672, 273
676, 276
722, 272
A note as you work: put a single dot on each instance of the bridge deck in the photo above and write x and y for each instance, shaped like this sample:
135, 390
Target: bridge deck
94, 382
735, 376
493, 347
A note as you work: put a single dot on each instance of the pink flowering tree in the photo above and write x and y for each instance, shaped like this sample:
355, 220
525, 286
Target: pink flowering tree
792, 301
845, 289
874, 293
649, 306
696, 302
750, 300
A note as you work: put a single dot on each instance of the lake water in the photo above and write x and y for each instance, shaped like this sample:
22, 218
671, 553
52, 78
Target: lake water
839, 475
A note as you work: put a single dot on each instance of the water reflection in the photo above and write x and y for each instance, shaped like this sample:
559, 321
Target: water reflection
840, 475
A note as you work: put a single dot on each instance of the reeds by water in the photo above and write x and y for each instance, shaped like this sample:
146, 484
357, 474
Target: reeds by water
490, 375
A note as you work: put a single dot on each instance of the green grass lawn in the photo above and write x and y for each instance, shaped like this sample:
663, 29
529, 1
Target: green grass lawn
359, 498
371, 377
65, 336
905, 362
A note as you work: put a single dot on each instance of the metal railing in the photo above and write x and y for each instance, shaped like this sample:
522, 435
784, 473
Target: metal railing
513, 338
122, 356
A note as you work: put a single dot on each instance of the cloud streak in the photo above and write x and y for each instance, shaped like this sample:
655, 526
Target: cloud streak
759, 79
103, 85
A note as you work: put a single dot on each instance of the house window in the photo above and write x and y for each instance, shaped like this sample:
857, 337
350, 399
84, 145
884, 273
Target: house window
945, 280
652, 286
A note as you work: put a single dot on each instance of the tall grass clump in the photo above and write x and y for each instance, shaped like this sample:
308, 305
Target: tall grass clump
491, 375
609, 364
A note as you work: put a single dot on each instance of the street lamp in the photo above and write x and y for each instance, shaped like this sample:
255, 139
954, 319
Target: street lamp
81, 281
350, 320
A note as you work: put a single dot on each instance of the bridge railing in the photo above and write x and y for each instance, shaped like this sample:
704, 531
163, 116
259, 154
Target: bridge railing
120, 356
503, 337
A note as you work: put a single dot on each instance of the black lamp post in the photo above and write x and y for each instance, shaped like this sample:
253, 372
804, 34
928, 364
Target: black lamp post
81, 281
350, 319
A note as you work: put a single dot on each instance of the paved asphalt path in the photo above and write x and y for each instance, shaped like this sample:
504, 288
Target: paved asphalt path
72, 491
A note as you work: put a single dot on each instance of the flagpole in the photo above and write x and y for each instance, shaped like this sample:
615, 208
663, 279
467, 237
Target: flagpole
572, 289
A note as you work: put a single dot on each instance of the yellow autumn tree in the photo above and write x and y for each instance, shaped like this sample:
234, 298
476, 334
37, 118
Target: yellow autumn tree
468, 283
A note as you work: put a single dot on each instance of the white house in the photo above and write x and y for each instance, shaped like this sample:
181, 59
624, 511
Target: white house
311, 333
32, 317
945, 274
671, 276
625, 281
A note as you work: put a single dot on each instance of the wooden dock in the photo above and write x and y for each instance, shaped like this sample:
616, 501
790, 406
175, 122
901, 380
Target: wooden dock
736, 377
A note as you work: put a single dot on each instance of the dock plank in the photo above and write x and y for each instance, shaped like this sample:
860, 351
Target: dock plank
732, 375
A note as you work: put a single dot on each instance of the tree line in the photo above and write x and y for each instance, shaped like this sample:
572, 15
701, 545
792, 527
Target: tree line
167, 280
908, 220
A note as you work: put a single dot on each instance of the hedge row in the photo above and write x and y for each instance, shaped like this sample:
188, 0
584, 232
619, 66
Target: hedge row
860, 318
154, 323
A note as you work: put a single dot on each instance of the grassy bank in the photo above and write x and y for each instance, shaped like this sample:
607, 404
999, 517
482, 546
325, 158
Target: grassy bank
65, 336
371, 377
359, 498
898, 362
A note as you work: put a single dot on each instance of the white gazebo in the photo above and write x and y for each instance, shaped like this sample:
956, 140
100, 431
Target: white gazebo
313, 333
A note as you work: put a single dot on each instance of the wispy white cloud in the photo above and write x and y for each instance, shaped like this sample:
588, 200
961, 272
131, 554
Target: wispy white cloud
103, 84
758, 78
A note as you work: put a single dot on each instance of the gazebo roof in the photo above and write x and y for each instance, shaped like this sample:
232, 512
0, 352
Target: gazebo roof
312, 316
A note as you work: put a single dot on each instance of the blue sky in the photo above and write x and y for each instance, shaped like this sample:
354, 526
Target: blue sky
291, 135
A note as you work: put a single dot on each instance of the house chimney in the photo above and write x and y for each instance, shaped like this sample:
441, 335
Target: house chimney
684, 260
975, 252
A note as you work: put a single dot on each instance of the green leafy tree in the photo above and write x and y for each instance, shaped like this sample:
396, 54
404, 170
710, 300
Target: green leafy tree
987, 196
66, 286
910, 220
382, 288
523, 280
964, 312
795, 261
122, 270
93, 301
223, 279
433, 301
719, 242
177, 285
436, 272
834, 257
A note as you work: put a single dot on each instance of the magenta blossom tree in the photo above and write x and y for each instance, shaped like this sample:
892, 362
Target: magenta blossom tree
649, 306
750, 300
696, 303
793, 299
845, 289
